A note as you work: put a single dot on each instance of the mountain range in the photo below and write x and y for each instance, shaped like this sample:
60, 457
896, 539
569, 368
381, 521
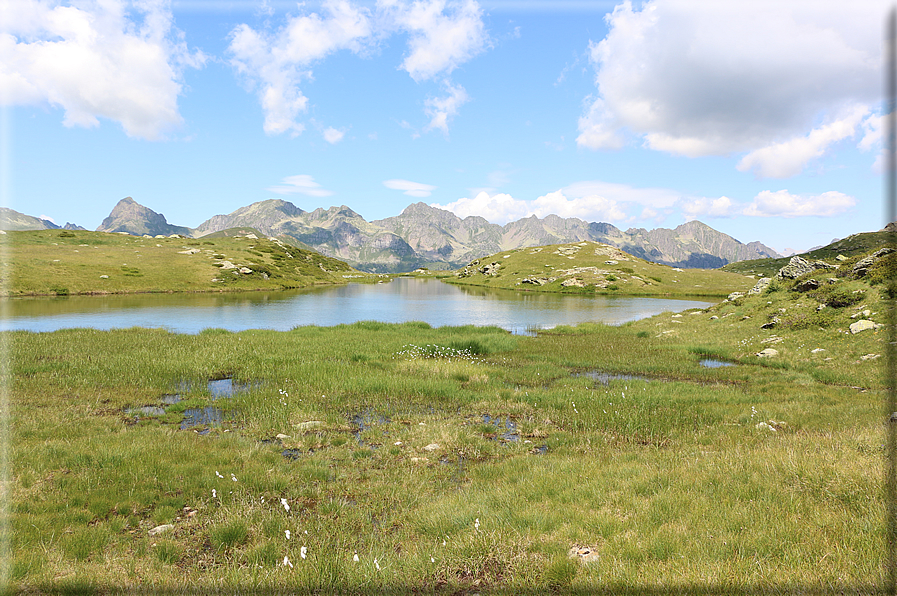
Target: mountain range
425, 236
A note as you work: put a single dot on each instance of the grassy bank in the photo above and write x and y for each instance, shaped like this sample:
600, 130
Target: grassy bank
63, 262
591, 268
457, 460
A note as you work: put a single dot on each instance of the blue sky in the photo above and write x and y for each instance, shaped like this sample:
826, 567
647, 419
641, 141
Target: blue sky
761, 119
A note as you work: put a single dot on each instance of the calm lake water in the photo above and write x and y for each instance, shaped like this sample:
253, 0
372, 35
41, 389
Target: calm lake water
403, 299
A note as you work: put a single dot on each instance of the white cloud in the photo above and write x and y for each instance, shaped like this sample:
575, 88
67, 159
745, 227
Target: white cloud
300, 184
441, 36
48, 218
782, 160
499, 208
439, 40
694, 208
502, 208
278, 63
442, 109
412, 189
333, 136
784, 204
710, 78
872, 129
657, 198
99, 59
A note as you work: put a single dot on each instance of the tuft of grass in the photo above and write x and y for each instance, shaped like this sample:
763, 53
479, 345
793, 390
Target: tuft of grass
229, 535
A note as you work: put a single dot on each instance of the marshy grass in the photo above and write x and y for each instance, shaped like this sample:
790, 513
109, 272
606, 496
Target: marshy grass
381, 442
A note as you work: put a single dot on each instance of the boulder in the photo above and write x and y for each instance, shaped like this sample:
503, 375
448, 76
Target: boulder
734, 296
768, 353
432, 447
760, 286
863, 265
863, 325
573, 283
806, 285
798, 266
770, 324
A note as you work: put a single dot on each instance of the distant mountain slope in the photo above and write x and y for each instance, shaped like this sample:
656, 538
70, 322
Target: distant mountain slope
132, 217
424, 236
11, 220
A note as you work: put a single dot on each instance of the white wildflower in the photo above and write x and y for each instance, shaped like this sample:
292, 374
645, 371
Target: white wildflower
355, 557
285, 504
232, 477
287, 532
303, 552
217, 474
376, 564
214, 494
286, 562
476, 524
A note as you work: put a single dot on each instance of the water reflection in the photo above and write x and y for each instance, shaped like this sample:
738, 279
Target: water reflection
401, 300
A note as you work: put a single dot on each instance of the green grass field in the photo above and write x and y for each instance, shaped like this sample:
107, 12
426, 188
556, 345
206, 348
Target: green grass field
591, 268
460, 460
62, 262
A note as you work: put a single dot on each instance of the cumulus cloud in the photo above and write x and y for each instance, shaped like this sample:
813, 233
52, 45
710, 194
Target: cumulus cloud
502, 208
439, 40
441, 36
99, 59
694, 208
301, 184
701, 78
333, 136
786, 159
781, 203
442, 109
277, 63
412, 189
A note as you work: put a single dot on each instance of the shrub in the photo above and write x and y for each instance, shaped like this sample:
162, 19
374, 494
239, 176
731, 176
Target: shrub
611, 277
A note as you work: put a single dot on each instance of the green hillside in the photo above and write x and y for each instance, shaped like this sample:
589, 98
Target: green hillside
854, 245
62, 262
592, 268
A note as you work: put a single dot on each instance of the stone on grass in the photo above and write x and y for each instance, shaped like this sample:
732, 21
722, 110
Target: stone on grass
308, 425
432, 447
806, 285
768, 353
584, 554
760, 285
161, 529
281, 436
870, 356
861, 325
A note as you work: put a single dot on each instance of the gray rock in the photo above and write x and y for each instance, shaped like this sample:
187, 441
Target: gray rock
806, 285
308, 425
772, 323
760, 286
862, 325
863, 265
432, 447
768, 353
735, 296
799, 266
161, 529
796, 267
245, 270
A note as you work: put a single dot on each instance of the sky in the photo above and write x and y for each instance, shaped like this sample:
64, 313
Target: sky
759, 118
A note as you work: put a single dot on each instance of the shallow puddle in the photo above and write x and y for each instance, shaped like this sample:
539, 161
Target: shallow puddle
710, 363
207, 416
291, 454
193, 417
509, 434
364, 421
605, 378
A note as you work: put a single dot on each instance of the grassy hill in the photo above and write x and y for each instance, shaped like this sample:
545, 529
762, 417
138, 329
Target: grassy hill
854, 245
62, 262
594, 268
